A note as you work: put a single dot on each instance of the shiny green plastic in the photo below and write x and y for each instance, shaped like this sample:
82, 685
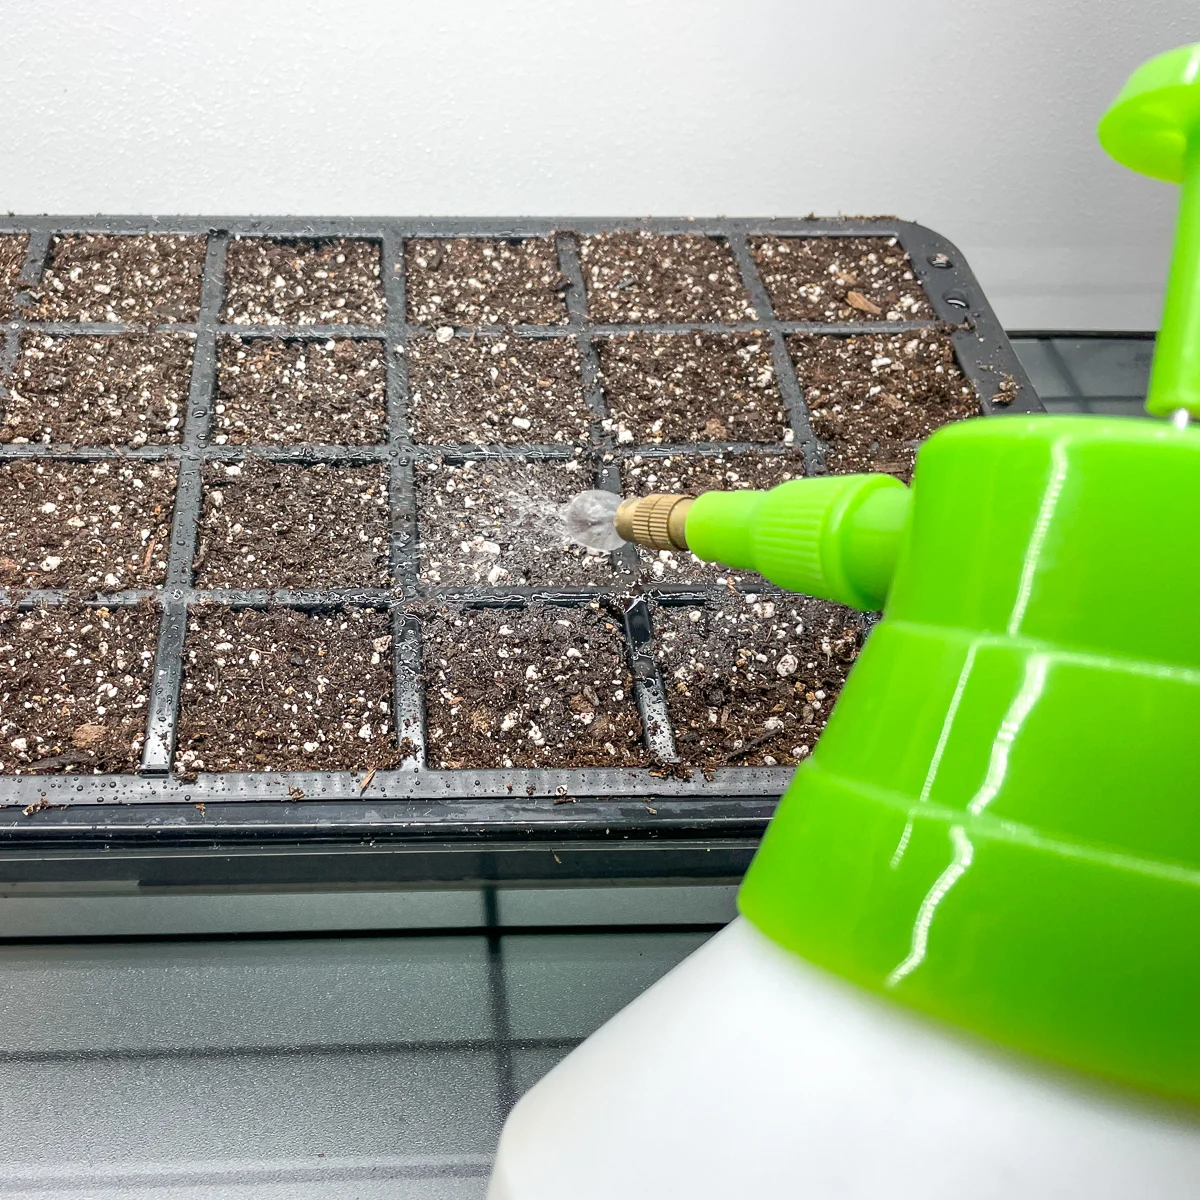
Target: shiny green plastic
1154, 127
1001, 824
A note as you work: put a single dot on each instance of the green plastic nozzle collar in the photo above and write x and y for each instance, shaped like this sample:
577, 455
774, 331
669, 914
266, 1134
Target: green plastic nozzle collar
834, 537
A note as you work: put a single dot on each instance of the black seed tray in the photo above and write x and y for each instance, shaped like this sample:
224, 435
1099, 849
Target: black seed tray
493, 823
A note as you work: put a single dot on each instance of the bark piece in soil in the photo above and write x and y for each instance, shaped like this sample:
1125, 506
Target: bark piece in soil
495, 521
689, 475
484, 281
873, 399
281, 690
729, 707
13, 247
308, 392
285, 525
699, 387
663, 278
839, 279
96, 526
74, 685
545, 686
121, 389
488, 391
334, 281
148, 278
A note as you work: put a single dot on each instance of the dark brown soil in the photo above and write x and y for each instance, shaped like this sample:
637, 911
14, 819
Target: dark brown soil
873, 400
13, 247
750, 680
74, 685
486, 391
102, 526
484, 281
690, 474
691, 388
496, 522
284, 525
333, 281
839, 279
542, 687
663, 278
121, 389
146, 278
280, 690
331, 393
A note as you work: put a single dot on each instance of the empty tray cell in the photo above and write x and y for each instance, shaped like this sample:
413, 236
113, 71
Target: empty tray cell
485, 391
333, 281
663, 278
287, 525
484, 281
310, 392
698, 387
144, 278
750, 679
97, 526
498, 521
873, 399
546, 686
125, 389
689, 475
13, 247
74, 685
281, 690
839, 279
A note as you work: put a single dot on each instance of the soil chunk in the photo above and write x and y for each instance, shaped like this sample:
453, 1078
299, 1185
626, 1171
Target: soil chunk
487, 391
663, 278
120, 389
839, 279
750, 680
281, 690
497, 522
484, 281
872, 400
300, 392
146, 278
99, 526
546, 686
13, 247
285, 525
691, 388
334, 281
74, 686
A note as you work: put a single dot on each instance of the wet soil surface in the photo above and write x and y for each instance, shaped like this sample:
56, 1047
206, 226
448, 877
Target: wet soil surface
839, 279
662, 278
102, 526
484, 281
284, 525
497, 522
138, 279
691, 388
13, 247
307, 392
281, 690
121, 389
545, 686
872, 400
486, 391
750, 680
333, 281
690, 474
74, 687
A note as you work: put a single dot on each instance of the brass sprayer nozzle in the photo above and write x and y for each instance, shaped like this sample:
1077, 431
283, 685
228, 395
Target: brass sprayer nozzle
656, 521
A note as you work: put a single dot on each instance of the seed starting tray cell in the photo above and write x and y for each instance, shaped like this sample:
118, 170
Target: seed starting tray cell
281, 559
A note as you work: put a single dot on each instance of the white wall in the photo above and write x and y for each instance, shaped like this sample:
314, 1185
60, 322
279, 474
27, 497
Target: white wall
975, 118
